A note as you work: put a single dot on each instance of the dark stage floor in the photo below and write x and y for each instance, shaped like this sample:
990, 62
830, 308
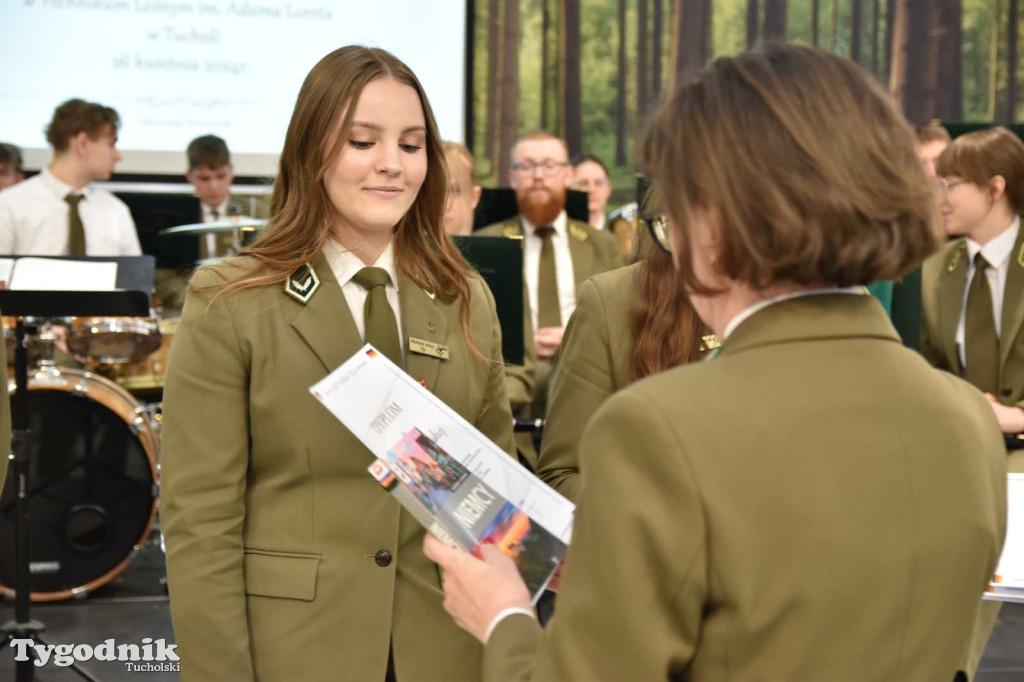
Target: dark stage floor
134, 606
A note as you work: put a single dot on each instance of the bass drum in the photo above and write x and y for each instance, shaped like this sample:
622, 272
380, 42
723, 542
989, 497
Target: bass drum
92, 498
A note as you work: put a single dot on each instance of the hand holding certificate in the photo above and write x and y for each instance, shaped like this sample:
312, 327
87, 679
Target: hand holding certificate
454, 481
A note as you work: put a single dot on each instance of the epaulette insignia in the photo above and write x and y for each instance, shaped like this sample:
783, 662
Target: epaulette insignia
958, 255
578, 232
302, 284
512, 232
710, 342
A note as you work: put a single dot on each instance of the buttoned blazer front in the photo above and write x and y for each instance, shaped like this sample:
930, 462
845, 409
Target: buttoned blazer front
816, 503
274, 528
943, 284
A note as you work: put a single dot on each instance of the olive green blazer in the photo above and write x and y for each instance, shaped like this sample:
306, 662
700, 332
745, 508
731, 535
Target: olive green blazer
285, 559
805, 506
943, 283
592, 363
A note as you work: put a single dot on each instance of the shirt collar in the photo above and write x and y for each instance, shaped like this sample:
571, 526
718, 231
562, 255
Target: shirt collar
222, 210
345, 264
998, 250
560, 224
761, 305
56, 187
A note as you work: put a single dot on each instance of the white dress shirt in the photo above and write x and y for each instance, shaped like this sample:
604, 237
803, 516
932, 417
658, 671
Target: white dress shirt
222, 213
34, 220
563, 266
345, 264
761, 305
997, 252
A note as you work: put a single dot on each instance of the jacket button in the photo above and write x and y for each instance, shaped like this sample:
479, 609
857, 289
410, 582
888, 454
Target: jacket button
1007, 392
383, 558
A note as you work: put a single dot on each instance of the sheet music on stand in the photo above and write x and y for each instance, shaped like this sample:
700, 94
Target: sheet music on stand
1008, 582
81, 286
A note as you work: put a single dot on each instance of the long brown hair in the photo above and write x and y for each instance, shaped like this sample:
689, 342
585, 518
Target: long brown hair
665, 330
809, 166
302, 212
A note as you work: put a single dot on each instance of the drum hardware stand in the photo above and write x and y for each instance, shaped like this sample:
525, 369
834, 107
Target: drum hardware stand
23, 627
137, 277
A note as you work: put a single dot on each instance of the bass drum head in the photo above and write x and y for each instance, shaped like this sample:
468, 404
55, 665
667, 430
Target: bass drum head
92, 486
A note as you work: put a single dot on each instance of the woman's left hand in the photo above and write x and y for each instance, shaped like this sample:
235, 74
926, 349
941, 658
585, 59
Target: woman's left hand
477, 590
1010, 418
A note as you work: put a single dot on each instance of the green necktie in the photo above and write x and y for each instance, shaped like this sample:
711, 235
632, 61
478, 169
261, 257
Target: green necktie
379, 318
549, 312
982, 345
76, 230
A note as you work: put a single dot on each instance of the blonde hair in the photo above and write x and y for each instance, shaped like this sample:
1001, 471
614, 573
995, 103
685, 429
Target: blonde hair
460, 160
828, 190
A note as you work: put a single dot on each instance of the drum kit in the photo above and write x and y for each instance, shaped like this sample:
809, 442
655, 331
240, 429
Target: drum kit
95, 391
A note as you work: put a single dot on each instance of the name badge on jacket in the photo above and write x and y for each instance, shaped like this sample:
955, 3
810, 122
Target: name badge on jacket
422, 347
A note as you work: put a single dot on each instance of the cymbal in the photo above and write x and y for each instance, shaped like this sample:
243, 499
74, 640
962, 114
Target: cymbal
229, 225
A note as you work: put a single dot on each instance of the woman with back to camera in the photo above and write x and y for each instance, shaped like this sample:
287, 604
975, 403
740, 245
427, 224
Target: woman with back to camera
813, 503
286, 560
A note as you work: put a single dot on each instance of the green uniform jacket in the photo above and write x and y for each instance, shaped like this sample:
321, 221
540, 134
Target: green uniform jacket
275, 531
593, 363
816, 503
943, 284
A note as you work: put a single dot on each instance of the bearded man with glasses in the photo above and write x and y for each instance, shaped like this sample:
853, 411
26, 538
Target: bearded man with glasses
559, 254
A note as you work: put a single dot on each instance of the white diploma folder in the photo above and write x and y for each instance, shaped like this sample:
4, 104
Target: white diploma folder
379, 403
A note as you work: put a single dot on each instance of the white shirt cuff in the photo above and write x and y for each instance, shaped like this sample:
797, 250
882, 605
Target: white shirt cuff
502, 615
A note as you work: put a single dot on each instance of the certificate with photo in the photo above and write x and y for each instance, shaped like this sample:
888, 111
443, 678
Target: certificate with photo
456, 476
463, 511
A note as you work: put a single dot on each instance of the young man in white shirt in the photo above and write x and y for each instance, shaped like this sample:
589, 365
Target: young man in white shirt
211, 173
58, 212
972, 291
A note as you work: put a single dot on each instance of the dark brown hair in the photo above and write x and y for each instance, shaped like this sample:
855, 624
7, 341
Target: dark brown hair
980, 156
301, 211
76, 116
665, 330
829, 190
209, 151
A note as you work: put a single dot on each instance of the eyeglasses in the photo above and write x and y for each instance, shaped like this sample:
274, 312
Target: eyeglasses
548, 167
660, 229
597, 183
946, 185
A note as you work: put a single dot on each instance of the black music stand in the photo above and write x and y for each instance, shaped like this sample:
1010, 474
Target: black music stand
134, 282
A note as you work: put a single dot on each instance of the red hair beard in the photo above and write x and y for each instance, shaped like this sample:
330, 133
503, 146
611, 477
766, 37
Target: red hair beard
540, 212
